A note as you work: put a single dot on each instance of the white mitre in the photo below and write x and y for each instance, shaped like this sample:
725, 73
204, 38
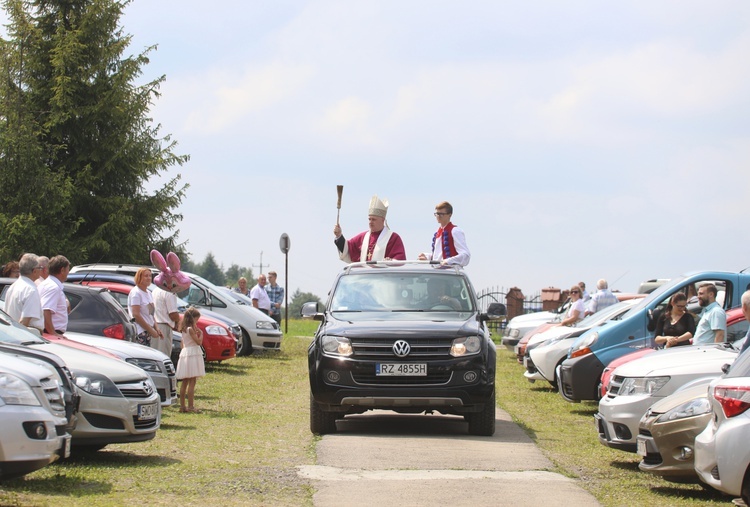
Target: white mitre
378, 207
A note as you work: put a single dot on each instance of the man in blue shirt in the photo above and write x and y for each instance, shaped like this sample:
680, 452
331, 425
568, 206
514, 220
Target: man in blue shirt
276, 295
713, 324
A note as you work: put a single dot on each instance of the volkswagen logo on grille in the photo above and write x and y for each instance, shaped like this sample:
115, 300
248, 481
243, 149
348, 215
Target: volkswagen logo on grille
401, 348
147, 388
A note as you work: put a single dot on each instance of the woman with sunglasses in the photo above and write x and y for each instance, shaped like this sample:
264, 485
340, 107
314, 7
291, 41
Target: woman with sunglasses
676, 325
577, 308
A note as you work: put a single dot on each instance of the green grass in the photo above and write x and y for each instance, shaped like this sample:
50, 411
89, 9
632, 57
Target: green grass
243, 449
254, 431
567, 434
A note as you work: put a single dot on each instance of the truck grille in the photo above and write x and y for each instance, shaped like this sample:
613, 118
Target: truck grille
423, 348
439, 378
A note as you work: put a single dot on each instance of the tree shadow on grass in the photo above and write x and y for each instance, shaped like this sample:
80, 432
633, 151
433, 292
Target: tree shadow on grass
60, 485
229, 368
626, 465
112, 458
65, 482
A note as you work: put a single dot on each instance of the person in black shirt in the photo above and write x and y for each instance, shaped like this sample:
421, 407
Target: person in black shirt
676, 326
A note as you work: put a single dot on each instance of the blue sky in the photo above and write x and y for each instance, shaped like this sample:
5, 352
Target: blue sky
576, 140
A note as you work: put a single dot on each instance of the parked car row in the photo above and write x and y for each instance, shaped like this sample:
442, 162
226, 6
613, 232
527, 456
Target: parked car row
92, 397
681, 409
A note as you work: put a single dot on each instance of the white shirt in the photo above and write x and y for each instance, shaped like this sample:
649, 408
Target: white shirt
259, 293
165, 303
53, 299
462, 257
143, 299
22, 300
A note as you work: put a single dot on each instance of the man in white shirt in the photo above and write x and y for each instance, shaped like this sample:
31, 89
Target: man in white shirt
22, 300
260, 298
449, 242
54, 303
167, 318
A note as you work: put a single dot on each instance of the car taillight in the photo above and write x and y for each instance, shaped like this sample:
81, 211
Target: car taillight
733, 400
117, 331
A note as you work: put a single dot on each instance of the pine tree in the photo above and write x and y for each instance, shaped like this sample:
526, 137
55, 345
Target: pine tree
86, 134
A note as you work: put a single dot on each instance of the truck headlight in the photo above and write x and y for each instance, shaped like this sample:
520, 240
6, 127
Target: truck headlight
465, 346
337, 345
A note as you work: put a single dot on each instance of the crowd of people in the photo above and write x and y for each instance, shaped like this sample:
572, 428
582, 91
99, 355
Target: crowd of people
675, 326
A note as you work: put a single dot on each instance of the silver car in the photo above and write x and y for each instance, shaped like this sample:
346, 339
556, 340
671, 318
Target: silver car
119, 402
154, 362
32, 411
722, 450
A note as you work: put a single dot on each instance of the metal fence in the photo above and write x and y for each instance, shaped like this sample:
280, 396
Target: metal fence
531, 303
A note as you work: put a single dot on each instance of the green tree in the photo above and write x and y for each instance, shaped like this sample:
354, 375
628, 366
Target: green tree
211, 271
298, 299
235, 272
76, 122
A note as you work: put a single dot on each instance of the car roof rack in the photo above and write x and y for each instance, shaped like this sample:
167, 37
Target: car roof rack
395, 263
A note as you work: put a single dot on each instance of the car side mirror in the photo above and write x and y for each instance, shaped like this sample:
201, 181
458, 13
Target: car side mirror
311, 309
495, 311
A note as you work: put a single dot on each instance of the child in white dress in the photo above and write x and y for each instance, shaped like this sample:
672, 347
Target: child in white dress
190, 365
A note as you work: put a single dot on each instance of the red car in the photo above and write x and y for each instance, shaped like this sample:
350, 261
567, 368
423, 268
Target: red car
733, 317
219, 343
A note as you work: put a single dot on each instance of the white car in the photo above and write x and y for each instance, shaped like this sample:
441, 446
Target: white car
259, 331
522, 324
119, 402
722, 450
154, 362
637, 385
32, 411
553, 345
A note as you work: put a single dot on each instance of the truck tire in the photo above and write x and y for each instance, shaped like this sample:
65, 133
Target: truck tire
483, 423
321, 422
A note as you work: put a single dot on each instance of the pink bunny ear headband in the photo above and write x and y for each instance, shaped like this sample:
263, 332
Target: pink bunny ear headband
171, 278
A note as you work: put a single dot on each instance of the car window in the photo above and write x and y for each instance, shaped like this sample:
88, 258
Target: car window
737, 331
401, 292
193, 295
741, 366
74, 300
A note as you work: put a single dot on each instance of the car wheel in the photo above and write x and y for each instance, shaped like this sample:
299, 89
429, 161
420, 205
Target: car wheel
246, 345
745, 491
483, 423
555, 383
321, 422
558, 380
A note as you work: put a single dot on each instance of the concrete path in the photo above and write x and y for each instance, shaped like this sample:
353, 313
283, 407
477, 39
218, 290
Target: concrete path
387, 459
